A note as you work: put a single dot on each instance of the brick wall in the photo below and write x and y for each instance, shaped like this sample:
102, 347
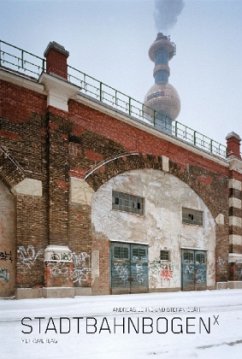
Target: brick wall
50, 145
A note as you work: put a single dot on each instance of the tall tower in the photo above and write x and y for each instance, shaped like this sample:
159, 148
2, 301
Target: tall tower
162, 97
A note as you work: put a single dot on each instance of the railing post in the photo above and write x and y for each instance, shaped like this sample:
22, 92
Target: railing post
22, 59
154, 117
194, 138
43, 65
211, 146
100, 91
129, 106
176, 132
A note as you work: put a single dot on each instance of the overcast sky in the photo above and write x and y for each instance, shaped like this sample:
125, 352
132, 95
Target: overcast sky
109, 40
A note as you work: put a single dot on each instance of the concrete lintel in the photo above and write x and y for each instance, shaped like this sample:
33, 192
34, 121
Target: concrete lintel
56, 253
59, 91
29, 187
81, 192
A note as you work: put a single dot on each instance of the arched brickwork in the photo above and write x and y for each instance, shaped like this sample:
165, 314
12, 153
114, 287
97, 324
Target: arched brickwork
207, 185
210, 187
11, 172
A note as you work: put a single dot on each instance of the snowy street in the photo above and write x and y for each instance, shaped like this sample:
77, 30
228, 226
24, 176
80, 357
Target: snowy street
157, 325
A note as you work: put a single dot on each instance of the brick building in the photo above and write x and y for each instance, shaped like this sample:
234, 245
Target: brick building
97, 199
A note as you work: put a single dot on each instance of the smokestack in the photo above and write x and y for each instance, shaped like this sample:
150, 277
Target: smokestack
162, 97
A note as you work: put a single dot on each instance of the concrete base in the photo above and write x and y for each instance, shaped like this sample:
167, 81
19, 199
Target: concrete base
82, 291
222, 285
235, 284
29, 293
160, 290
59, 292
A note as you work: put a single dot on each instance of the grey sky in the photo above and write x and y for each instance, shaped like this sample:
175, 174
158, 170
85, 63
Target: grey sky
109, 39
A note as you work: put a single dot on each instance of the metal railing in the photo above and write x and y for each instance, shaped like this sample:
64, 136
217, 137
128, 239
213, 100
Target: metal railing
24, 62
21, 61
138, 111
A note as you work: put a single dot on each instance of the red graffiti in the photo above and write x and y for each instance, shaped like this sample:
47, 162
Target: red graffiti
166, 273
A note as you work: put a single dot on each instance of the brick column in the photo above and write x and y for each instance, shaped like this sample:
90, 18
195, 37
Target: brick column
56, 59
235, 210
233, 145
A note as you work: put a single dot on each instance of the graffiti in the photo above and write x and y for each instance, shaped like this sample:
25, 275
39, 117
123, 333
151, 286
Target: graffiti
221, 262
160, 271
61, 257
4, 274
81, 259
28, 255
166, 271
189, 271
200, 276
80, 272
58, 269
82, 268
121, 272
140, 273
4, 256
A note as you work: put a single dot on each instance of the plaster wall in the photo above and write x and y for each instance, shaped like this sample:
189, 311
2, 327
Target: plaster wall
161, 225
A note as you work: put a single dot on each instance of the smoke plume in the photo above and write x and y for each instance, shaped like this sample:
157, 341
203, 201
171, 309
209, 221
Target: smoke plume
166, 13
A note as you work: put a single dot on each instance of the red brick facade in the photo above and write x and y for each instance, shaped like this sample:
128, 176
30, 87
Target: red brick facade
45, 144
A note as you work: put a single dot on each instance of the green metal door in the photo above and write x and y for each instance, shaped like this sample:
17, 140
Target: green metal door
194, 269
129, 268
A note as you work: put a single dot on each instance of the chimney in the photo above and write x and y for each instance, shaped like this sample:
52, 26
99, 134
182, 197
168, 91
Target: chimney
233, 145
56, 59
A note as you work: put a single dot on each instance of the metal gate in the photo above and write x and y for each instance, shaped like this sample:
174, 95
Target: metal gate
129, 268
194, 269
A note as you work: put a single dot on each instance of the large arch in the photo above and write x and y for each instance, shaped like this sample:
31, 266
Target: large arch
160, 228
7, 242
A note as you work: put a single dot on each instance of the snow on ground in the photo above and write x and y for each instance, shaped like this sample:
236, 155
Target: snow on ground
94, 336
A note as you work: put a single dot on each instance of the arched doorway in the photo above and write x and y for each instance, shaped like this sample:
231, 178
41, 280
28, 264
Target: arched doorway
148, 208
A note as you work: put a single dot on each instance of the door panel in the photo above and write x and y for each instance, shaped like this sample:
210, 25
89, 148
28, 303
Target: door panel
120, 268
139, 269
129, 268
194, 269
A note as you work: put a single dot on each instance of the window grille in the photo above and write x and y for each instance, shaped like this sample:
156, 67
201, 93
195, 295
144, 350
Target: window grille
127, 202
121, 252
139, 253
192, 216
164, 255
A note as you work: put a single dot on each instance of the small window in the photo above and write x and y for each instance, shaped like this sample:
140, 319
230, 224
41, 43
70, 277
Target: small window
121, 252
164, 255
192, 216
127, 202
